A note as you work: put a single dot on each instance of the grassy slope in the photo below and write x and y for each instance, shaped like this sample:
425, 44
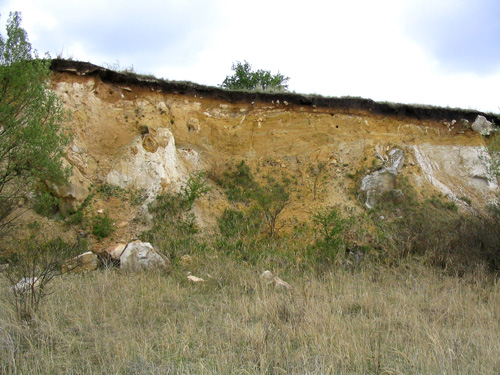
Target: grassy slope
407, 319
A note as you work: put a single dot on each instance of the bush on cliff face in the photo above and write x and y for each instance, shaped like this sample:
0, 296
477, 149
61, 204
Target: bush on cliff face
269, 198
31, 115
246, 79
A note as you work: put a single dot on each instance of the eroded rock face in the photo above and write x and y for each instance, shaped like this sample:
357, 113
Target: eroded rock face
150, 139
74, 193
383, 180
139, 256
153, 165
457, 171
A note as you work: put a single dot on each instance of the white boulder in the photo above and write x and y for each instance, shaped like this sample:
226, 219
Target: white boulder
139, 256
482, 126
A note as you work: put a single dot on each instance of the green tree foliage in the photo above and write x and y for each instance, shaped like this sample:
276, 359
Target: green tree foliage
246, 79
31, 115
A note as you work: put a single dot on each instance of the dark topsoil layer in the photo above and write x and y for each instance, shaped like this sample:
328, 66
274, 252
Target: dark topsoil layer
422, 112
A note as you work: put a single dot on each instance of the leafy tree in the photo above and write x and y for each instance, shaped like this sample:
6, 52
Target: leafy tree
246, 79
31, 116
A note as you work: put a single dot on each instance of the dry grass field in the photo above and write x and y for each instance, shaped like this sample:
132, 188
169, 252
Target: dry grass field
402, 319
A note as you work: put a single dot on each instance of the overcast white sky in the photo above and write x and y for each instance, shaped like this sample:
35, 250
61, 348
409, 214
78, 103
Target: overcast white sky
438, 52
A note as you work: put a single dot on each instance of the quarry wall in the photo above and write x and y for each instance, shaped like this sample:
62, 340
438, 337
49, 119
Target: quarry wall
139, 132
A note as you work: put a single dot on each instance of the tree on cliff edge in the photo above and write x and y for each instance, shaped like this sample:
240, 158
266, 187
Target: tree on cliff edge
31, 116
246, 79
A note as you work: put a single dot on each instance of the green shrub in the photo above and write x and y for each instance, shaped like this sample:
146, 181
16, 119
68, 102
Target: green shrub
329, 226
173, 205
270, 199
45, 204
172, 220
102, 226
195, 188
77, 217
239, 183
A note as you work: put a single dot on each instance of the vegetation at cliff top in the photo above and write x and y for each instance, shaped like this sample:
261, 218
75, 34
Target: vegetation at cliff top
246, 79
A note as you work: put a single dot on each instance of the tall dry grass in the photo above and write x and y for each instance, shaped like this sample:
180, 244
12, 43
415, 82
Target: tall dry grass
407, 319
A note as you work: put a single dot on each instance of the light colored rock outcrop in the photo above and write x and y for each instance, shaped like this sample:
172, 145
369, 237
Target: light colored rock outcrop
139, 256
383, 180
456, 171
149, 139
153, 166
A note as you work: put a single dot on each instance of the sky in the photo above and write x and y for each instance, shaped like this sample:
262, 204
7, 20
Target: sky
434, 52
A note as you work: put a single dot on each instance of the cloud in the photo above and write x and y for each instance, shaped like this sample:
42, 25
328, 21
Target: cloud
464, 35
143, 33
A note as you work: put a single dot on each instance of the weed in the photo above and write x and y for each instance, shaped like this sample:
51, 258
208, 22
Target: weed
317, 173
271, 199
77, 217
137, 197
172, 218
240, 184
107, 190
439, 204
195, 188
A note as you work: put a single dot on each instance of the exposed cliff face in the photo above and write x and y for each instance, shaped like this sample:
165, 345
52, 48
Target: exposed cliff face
143, 133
